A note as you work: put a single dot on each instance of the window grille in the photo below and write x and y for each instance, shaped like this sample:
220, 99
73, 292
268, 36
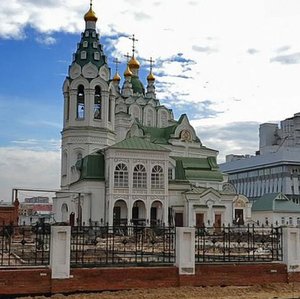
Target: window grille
139, 176
157, 177
121, 176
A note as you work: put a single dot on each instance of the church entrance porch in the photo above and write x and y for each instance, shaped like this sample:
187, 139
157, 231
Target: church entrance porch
138, 213
120, 213
156, 214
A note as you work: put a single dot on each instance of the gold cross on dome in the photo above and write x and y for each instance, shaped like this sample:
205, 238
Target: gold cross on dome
133, 43
151, 63
127, 56
116, 61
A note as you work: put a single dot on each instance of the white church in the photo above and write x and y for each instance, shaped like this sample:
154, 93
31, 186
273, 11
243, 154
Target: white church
126, 160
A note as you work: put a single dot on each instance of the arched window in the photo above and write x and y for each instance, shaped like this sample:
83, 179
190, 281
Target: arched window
157, 177
121, 176
97, 103
139, 176
80, 102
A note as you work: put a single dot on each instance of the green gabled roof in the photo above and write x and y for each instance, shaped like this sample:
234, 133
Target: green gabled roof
276, 202
138, 143
197, 169
162, 135
91, 167
159, 135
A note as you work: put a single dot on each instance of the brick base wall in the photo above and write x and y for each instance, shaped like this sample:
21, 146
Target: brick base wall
235, 274
101, 279
38, 281
27, 281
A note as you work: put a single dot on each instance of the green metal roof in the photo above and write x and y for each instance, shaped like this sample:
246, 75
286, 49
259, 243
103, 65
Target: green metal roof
208, 175
137, 85
159, 135
91, 167
90, 49
138, 143
276, 202
197, 169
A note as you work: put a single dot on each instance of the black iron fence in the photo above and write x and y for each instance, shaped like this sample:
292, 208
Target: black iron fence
139, 245
24, 245
238, 244
122, 245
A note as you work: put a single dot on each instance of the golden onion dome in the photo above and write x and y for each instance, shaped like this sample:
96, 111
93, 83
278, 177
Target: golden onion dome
128, 72
133, 63
90, 16
116, 77
150, 77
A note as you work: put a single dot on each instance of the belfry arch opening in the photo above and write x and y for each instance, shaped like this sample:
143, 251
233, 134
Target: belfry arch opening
97, 103
80, 102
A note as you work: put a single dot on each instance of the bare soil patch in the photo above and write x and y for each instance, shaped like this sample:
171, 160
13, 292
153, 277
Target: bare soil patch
271, 291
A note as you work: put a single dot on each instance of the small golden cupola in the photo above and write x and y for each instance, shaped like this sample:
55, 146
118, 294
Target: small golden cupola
128, 72
150, 77
116, 77
133, 63
90, 16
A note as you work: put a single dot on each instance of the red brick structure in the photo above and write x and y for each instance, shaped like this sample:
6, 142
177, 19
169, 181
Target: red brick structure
9, 213
38, 281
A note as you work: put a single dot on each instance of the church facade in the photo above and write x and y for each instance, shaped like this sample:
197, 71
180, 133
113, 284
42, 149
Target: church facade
126, 160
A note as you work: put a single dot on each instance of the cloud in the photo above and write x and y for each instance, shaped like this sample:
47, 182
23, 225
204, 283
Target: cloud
201, 49
287, 59
252, 51
46, 40
38, 144
28, 168
199, 110
231, 138
283, 49
141, 16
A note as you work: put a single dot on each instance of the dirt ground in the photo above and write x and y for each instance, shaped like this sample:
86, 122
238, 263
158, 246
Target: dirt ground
271, 291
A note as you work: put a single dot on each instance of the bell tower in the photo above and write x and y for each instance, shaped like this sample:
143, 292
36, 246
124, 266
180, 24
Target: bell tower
89, 102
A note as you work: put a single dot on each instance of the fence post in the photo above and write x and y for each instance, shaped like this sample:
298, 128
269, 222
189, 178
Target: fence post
291, 248
60, 248
185, 250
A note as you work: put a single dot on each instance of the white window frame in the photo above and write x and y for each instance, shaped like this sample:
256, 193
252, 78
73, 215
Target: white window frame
97, 56
157, 177
121, 176
139, 176
83, 55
